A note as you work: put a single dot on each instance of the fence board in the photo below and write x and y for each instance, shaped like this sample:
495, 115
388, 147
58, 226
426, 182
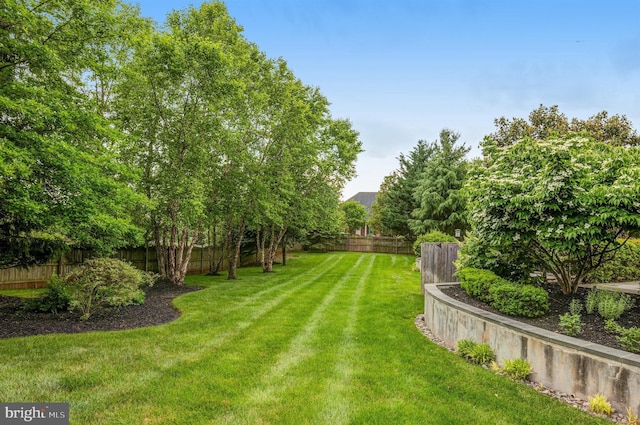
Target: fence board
141, 258
377, 244
436, 264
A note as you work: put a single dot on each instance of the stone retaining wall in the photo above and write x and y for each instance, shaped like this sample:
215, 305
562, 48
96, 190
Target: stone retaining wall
559, 362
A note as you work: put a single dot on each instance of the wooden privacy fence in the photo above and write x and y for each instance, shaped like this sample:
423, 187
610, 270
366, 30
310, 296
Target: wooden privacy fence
141, 258
436, 263
380, 244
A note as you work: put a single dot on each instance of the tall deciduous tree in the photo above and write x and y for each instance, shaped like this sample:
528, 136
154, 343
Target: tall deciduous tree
546, 121
172, 104
562, 203
60, 183
441, 203
354, 215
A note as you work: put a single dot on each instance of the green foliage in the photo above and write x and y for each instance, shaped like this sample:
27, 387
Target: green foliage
55, 299
441, 204
545, 121
432, 237
395, 202
561, 203
61, 183
608, 304
629, 338
477, 282
625, 266
355, 215
504, 262
599, 404
613, 305
105, 282
465, 348
482, 354
575, 306
571, 324
517, 369
611, 326
591, 302
519, 300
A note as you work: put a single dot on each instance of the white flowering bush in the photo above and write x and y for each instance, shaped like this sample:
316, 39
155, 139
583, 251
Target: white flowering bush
563, 203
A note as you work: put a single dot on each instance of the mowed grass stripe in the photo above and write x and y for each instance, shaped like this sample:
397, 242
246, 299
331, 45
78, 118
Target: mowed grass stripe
249, 311
337, 395
256, 298
279, 379
159, 350
239, 329
233, 366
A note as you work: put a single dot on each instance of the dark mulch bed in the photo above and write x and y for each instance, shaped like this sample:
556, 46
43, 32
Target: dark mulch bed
155, 310
593, 324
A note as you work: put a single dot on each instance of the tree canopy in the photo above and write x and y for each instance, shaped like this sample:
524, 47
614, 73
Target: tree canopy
61, 183
423, 194
545, 122
354, 215
562, 203
441, 205
114, 131
396, 200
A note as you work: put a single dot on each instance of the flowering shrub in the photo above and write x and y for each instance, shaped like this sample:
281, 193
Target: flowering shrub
562, 203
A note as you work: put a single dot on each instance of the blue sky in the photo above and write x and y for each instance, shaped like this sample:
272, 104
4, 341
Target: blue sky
403, 70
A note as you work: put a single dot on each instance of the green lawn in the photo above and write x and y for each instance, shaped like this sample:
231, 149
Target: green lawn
328, 339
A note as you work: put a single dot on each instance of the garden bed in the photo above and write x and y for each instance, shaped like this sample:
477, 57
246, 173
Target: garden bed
593, 325
156, 309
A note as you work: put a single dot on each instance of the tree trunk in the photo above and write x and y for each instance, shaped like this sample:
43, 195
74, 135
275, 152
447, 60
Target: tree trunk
212, 250
284, 250
234, 251
274, 241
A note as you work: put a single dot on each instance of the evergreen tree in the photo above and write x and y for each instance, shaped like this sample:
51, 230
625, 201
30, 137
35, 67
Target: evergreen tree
441, 203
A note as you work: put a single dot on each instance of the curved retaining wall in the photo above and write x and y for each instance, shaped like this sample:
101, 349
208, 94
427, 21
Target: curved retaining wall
560, 362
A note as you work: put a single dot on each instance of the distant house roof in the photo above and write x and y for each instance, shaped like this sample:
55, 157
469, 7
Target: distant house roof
365, 198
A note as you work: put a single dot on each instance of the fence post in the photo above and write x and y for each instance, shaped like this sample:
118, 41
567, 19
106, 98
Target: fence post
436, 264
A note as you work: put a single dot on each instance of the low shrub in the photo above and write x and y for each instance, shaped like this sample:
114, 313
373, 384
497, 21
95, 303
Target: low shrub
434, 236
608, 304
612, 305
629, 338
518, 369
571, 324
482, 354
625, 265
599, 404
511, 265
591, 302
465, 347
55, 299
105, 281
477, 282
575, 307
519, 300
